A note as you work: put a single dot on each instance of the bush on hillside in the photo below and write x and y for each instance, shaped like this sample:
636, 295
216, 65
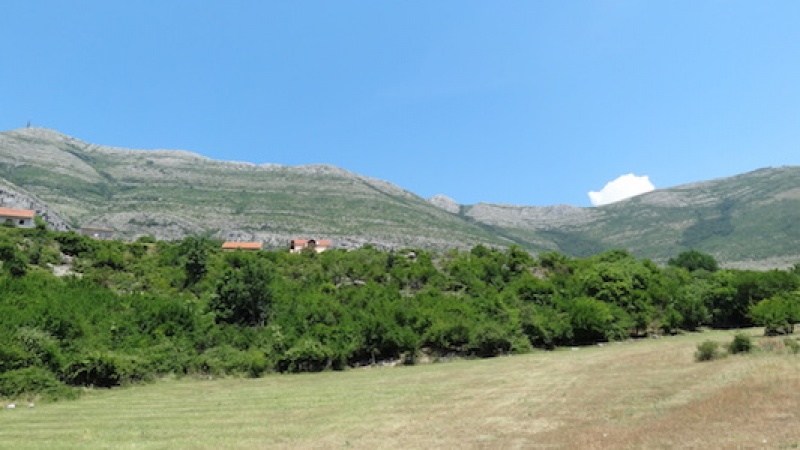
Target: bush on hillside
777, 314
226, 359
707, 351
33, 382
105, 369
693, 260
74, 244
792, 345
741, 344
307, 355
41, 347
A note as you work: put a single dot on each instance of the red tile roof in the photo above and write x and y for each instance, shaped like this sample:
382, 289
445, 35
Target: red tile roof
318, 243
297, 245
242, 246
20, 213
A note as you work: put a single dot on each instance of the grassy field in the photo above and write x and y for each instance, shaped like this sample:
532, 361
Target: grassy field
642, 394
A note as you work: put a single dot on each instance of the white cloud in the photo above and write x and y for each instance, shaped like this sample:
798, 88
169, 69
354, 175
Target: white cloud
625, 186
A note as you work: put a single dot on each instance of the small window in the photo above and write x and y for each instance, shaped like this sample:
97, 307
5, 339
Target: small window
22, 221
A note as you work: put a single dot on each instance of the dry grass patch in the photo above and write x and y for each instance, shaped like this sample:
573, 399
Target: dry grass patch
645, 394
748, 402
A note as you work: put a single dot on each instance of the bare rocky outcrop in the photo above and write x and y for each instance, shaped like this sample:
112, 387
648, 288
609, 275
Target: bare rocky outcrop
534, 217
12, 197
446, 203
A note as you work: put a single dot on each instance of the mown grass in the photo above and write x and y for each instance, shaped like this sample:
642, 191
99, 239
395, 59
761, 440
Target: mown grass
643, 394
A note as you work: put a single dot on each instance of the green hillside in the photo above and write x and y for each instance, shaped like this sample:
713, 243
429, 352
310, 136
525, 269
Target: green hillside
170, 194
746, 221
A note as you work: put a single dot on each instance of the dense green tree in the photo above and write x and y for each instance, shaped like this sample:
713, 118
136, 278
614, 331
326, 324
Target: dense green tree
693, 260
592, 320
244, 293
734, 292
757, 285
74, 244
555, 263
529, 288
466, 273
13, 260
620, 279
690, 303
777, 314
412, 270
720, 294
518, 261
545, 326
194, 252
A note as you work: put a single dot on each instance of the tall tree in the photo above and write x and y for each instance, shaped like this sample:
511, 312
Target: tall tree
195, 258
244, 294
693, 260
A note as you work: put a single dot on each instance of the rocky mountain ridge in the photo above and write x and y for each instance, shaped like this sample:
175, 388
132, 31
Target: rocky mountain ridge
170, 194
745, 221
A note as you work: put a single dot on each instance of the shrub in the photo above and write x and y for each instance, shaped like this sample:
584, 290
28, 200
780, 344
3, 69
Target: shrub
546, 327
490, 340
741, 344
693, 260
13, 356
33, 381
42, 347
792, 345
707, 351
105, 369
776, 314
167, 356
112, 258
592, 320
307, 355
16, 264
74, 244
43, 255
227, 360
450, 335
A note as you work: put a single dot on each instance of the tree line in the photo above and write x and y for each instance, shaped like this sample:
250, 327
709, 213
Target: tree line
130, 311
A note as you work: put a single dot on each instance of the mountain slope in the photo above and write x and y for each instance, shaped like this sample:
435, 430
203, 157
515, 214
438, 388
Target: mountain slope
749, 220
173, 193
745, 221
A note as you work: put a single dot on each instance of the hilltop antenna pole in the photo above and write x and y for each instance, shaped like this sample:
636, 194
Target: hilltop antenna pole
29, 123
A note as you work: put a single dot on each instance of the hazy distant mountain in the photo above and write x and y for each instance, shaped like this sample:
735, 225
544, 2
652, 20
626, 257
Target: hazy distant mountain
746, 221
750, 220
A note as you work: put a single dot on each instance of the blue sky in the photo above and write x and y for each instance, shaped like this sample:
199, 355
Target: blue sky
521, 102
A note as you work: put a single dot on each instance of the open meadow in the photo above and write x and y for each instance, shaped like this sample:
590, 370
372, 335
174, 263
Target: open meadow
636, 394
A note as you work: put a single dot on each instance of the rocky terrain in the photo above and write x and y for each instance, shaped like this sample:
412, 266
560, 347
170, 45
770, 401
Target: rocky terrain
171, 194
12, 197
745, 221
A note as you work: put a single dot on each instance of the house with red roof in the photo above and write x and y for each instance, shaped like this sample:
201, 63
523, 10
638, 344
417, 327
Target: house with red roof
250, 246
20, 218
298, 245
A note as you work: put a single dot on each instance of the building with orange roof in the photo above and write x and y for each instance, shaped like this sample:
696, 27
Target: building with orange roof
252, 246
298, 245
22, 218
